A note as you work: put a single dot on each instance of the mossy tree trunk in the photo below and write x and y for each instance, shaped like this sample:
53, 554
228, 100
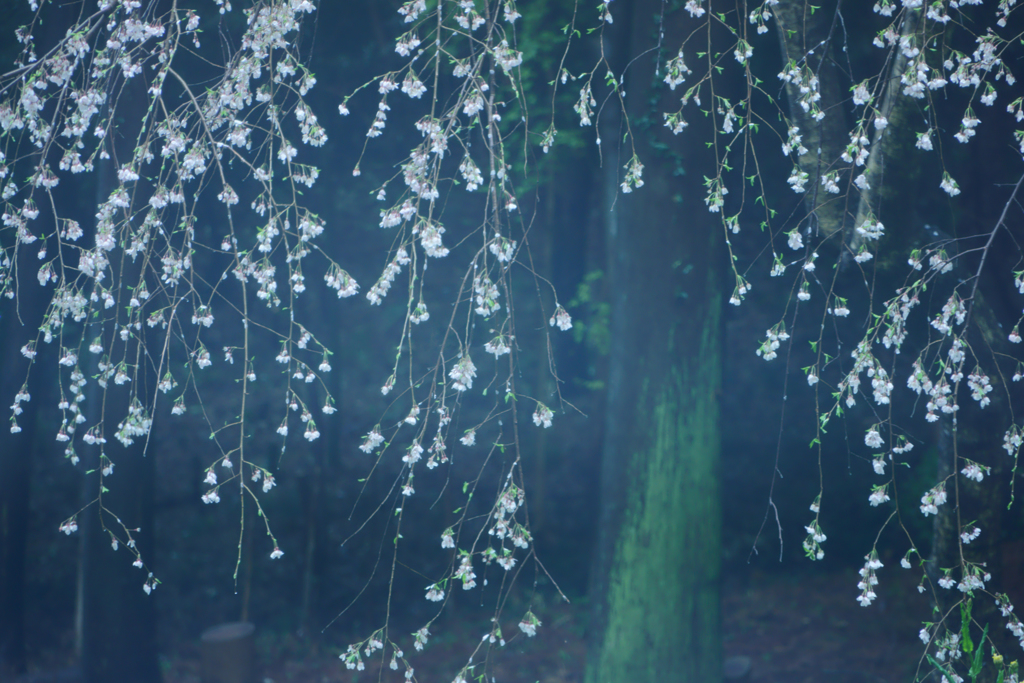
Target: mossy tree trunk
655, 585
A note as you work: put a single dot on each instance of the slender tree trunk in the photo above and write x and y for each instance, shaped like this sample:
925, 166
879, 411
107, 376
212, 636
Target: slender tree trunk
656, 582
16, 451
118, 619
119, 634
19, 323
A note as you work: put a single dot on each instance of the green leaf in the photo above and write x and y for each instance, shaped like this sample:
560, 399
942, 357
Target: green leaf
978, 664
965, 626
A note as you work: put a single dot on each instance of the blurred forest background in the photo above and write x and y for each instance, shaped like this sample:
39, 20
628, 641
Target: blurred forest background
777, 607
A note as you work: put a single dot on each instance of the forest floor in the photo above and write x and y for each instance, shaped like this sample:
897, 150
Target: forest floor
810, 628
793, 628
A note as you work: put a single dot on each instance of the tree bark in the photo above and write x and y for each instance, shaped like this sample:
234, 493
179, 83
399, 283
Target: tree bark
804, 35
16, 451
118, 619
655, 587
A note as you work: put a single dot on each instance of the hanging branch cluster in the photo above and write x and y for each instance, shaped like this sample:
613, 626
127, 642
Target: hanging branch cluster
125, 300
460, 60
134, 292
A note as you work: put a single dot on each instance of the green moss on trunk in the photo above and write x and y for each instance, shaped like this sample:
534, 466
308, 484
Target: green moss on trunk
663, 620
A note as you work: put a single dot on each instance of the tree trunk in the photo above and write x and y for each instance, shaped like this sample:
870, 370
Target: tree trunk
802, 30
656, 583
16, 451
118, 619
19, 322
